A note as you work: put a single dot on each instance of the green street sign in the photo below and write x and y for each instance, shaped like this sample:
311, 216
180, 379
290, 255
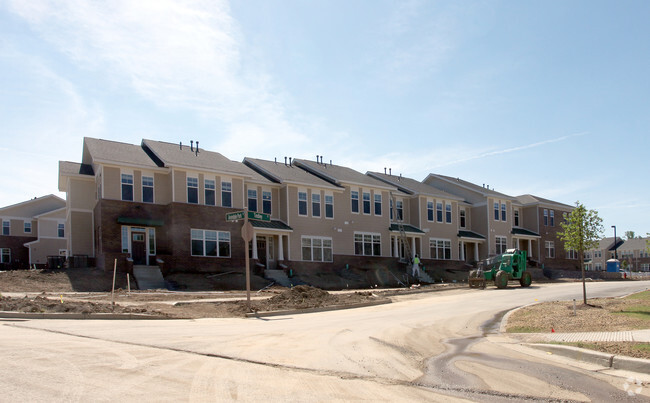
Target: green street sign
238, 215
252, 215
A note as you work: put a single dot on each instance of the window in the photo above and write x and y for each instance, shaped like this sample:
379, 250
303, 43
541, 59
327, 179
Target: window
496, 211
550, 249
516, 217
598, 253
354, 198
448, 213
552, 217
503, 212
439, 211
315, 204
147, 189
545, 216
366, 203
329, 206
500, 244
5, 255
429, 211
571, 254
391, 209
440, 249
226, 194
193, 190
316, 249
367, 244
210, 243
125, 239
645, 266
61, 230
266, 202
28, 227
210, 192
6, 226
127, 187
598, 267
463, 218
400, 210
252, 199
152, 241
302, 203
377, 204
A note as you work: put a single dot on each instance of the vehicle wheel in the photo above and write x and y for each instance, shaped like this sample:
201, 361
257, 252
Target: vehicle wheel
472, 279
501, 279
525, 279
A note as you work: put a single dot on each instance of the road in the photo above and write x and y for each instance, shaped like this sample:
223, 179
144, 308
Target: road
429, 347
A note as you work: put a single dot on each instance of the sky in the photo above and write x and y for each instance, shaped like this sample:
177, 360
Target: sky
550, 98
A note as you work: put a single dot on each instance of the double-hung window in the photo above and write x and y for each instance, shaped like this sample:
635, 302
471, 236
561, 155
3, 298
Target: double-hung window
367, 244
302, 203
550, 249
551, 217
516, 217
6, 227
266, 202
439, 211
500, 244
127, 187
210, 243
252, 199
315, 204
463, 218
366, 203
60, 230
440, 248
545, 216
192, 190
147, 189
377, 204
329, 206
496, 211
429, 211
503, 212
226, 194
448, 213
28, 227
400, 210
316, 249
210, 192
354, 199
5, 255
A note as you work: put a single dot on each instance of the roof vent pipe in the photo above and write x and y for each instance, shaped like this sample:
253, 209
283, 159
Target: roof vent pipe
290, 162
400, 176
330, 162
197, 148
276, 160
192, 145
390, 171
321, 159
317, 158
384, 170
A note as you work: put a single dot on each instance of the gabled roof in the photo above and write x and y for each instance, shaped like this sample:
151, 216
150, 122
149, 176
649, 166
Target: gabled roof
482, 190
522, 231
634, 244
608, 243
286, 174
33, 207
413, 187
529, 199
73, 169
470, 234
407, 228
113, 152
339, 175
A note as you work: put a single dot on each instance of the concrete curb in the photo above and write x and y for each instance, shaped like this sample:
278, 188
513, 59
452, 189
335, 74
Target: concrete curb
100, 316
596, 357
319, 309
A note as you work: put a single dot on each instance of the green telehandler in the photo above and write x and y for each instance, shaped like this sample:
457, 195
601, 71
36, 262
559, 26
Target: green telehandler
500, 269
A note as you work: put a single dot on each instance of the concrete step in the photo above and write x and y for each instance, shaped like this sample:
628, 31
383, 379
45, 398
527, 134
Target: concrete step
148, 277
279, 276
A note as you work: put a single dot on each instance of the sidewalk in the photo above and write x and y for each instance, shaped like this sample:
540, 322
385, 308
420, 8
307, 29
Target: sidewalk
640, 336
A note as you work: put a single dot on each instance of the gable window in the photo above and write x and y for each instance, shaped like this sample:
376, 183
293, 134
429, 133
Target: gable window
6, 226
545, 217
302, 203
439, 211
226, 194
252, 199
315, 204
210, 243
210, 192
316, 249
496, 211
448, 213
516, 217
500, 245
60, 229
552, 217
329, 206
28, 227
193, 190
127, 187
440, 248
550, 249
266, 202
377, 204
429, 211
367, 244
503, 212
463, 218
354, 198
366, 203
5, 255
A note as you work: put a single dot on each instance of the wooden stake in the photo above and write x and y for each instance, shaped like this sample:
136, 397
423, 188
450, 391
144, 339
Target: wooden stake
113, 289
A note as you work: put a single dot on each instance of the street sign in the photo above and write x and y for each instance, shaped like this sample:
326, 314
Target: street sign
252, 215
247, 232
237, 215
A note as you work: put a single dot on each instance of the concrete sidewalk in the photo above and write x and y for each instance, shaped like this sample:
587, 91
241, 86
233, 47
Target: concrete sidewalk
639, 336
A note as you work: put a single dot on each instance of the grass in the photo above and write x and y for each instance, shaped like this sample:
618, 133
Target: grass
645, 296
524, 329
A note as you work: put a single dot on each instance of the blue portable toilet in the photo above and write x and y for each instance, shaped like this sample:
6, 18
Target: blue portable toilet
613, 266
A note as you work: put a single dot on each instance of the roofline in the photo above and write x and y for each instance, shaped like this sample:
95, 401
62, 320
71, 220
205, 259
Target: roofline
511, 198
31, 201
252, 165
448, 196
317, 172
50, 212
401, 188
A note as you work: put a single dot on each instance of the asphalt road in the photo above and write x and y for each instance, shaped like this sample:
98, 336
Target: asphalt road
428, 347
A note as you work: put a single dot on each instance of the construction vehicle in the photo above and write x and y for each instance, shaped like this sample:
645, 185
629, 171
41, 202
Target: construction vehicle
510, 265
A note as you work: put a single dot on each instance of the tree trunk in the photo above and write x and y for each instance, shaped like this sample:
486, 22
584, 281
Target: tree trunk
582, 267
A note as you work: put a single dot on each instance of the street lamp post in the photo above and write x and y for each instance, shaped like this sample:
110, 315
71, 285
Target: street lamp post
615, 243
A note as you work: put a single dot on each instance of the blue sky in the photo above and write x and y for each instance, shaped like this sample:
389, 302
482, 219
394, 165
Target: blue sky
550, 98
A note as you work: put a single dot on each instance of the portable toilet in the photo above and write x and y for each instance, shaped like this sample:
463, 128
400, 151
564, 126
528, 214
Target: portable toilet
613, 266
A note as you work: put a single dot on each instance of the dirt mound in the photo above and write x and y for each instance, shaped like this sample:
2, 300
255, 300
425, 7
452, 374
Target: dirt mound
304, 296
46, 305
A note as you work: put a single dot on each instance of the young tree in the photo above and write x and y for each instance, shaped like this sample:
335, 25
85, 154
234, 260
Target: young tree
629, 235
581, 231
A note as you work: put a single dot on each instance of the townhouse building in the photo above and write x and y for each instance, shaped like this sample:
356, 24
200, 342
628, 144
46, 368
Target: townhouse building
32, 231
634, 254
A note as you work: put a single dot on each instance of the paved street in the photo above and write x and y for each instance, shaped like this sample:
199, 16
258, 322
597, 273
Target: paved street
383, 353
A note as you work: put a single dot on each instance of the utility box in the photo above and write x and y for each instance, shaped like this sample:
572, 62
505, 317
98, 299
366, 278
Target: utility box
613, 266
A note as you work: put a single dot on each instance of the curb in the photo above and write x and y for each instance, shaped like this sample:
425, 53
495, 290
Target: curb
101, 316
596, 357
318, 309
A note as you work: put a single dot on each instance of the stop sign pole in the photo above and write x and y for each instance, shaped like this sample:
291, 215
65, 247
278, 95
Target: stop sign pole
247, 235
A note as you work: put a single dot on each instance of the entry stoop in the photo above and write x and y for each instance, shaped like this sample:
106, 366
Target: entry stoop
279, 276
148, 277
424, 277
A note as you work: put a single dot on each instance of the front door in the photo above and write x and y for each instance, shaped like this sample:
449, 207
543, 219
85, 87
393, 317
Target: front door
261, 250
138, 248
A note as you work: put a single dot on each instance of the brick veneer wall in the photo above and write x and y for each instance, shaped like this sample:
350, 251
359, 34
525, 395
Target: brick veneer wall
19, 252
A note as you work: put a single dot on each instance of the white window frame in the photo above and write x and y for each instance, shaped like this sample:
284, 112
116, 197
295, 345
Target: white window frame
367, 238
226, 189
267, 197
316, 243
546, 217
549, 247
440, 215
209, 185
193, 179
6, 224
377, 204
5, 255
60, 227
126, 179
329, 201
448, 213
431, 213
27, 227
440, 245
462, 214
315, 204
504, 212
252, 192
153, 195
551, 218
515, 217
365, 202
220, 236
500, 244
354, 196
302, 200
